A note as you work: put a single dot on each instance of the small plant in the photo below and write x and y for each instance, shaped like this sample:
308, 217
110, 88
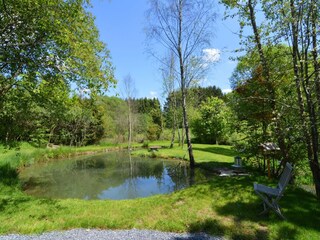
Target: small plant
153, 154
145, 144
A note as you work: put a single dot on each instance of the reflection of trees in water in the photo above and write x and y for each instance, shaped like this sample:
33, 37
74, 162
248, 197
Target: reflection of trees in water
131, 188
179, 175
88, 177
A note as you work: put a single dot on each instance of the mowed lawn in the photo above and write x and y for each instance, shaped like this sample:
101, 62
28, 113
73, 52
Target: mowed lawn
221, 206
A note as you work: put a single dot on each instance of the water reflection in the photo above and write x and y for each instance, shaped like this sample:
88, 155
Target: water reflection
114, 175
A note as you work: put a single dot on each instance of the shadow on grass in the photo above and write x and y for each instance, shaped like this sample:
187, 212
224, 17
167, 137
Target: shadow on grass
211, 226
214, 228
235, 204
11, 197
38, 209
238, 202
217, 150
212, 166
8, 175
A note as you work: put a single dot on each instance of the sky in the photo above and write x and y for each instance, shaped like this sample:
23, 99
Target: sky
121, 25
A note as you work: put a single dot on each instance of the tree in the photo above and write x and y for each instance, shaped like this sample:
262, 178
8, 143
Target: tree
183, 27
149, 114
256, 117
168, 77
210, 126
115, 122
296, 23
62, 40
42, 52
129, 91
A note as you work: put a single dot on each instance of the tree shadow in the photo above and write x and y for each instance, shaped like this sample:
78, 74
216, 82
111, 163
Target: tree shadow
210, 226
8, 175
217, 229
12, 199
217, 150
21, 203
213, 169
212, 166
201, 230
301, 208
233, 208
233, 199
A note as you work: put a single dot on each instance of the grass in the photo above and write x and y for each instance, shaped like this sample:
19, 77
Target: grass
26, 154
219, 206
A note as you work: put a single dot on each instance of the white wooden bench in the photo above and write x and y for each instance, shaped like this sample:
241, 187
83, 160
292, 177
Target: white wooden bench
271, 196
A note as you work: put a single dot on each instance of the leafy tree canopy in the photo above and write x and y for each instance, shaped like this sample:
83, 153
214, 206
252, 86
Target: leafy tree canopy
43, 39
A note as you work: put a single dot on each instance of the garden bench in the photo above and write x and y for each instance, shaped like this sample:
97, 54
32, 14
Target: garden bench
154, 148
271, 196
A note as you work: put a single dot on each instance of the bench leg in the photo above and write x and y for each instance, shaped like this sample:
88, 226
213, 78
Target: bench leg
265, 209
268, 204
276, 208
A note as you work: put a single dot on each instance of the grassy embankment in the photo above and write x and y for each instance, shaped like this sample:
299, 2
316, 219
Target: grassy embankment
223, 206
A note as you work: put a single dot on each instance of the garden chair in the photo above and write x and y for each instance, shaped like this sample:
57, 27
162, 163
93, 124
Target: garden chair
271, 196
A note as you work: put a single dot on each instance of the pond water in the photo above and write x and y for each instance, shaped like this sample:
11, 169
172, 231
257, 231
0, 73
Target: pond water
114, 175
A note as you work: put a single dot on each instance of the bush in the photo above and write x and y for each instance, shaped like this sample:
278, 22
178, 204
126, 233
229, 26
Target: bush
153, 132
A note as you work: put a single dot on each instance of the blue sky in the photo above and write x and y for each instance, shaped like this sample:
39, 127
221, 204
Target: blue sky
121, 24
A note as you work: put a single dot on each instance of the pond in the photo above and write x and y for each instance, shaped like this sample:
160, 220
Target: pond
114, 175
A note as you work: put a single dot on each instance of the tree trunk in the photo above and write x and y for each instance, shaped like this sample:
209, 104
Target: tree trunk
186, 126
182, 133
311, 140
174, 120
130, 124
183, 88
173, 136
179, 137
315, 168
314, 19
257, 38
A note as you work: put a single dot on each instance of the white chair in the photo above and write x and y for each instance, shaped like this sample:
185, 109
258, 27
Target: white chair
271, 196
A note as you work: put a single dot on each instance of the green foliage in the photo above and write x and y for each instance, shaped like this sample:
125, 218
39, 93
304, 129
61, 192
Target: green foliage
153, 132
44, 118
196, 95
211, 125
150, 108
146, 118
42, 53
59, 42
256, 117
82, 126
292, 71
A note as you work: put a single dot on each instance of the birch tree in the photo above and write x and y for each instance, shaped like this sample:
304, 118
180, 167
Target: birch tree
129, 91
183, 27
168, 76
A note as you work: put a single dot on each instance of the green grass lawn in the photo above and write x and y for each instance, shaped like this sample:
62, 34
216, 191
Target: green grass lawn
225, 206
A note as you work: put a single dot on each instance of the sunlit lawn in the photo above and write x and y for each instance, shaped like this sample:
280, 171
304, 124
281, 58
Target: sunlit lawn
224, 206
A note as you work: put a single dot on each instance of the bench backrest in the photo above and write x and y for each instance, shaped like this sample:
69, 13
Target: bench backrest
285, 177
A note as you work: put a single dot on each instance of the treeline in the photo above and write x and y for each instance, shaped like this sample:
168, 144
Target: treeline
198, 97
44, 118
146, 118
150, 121
49, 115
